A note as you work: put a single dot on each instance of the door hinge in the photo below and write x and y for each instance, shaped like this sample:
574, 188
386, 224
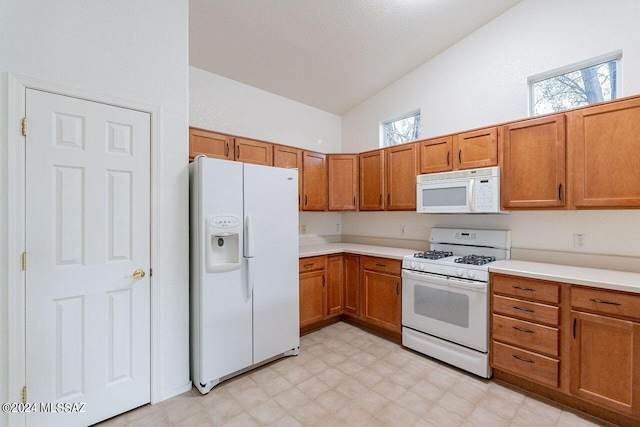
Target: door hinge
24, 261
24, 394
24, 126
150, 272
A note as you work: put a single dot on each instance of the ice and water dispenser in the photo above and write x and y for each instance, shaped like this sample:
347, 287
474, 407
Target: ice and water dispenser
223, 243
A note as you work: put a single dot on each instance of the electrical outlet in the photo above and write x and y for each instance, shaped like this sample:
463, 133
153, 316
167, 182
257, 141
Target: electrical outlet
337, 228
402, 228
579, 240
303, 229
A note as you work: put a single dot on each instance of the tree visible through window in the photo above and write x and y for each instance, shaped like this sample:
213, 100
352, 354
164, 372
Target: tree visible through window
401, 130
576, 88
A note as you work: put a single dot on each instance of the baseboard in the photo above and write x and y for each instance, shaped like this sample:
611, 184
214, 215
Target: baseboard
175, 392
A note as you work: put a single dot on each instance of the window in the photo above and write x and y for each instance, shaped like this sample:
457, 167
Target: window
575, 86
400, 130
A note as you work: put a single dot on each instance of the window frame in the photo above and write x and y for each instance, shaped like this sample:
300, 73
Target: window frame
576, 66
381, 131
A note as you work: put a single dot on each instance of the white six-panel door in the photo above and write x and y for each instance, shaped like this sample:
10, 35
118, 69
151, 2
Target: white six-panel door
87, 229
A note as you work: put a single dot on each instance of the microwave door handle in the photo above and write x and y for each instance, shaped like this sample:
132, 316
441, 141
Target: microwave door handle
471, 196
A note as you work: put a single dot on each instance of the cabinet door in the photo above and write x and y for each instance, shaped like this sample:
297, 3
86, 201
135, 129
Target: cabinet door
372, 181
290, 158
210, 144
401, 177
335, 285
312, 297
343, 182
250, 151
605, 142
533, 172
352, 285
477, 149
605, 361
314, 181
435, 155
382, 300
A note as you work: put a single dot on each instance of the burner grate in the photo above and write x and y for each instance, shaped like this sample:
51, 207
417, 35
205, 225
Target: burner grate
433, 254
475, 259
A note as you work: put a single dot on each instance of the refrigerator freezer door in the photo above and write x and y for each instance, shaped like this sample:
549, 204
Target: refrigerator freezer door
271, 200
225, 310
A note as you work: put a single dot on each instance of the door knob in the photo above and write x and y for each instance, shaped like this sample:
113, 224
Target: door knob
138, 274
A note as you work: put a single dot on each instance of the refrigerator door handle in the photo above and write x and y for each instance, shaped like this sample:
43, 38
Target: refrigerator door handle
248, 237
249, 278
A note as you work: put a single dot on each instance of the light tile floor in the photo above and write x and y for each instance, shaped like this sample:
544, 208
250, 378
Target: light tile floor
347, 377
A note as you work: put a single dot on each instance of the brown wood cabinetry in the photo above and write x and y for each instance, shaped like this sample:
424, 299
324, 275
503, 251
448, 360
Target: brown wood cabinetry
525, 328
352, 285
313, 299
533, 163
476, 149
372, 180
314, 181
290, 158
436, 155
605, 141
335, 285
605, 349
401, 171
210, 144
251, 151
343, 182
381, 293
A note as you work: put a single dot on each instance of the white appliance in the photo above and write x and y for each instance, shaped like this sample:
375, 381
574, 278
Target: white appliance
465, 191
445, 296
244, 267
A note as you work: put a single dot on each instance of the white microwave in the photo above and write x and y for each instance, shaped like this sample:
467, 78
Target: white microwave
465, 191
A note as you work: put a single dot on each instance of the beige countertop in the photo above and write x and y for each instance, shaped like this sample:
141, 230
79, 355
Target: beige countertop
354, 248
599, 278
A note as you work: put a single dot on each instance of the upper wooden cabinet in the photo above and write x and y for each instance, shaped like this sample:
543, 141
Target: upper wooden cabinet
372, 180
210, 144
605, 143
314, 181
436, 155
251, 151
533, 163
476, 149
343, 182
401, 173
290, 158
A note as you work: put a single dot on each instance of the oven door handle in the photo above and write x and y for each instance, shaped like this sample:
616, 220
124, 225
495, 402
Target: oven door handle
442, 281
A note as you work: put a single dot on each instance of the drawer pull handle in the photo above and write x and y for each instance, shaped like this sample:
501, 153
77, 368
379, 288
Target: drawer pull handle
520, 288
599, 301
308, 265
526, 310
518, 328
381, 265
522, 359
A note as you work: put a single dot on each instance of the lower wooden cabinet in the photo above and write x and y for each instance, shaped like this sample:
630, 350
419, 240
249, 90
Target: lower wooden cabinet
365, 288
581, 343
381, 296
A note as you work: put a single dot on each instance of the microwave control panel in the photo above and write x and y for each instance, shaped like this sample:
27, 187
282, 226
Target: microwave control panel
485, 195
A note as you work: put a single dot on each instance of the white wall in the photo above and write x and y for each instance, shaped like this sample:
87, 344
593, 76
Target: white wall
224, 105
482, 80
132, 50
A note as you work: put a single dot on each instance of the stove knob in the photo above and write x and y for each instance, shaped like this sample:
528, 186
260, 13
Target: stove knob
471, 274
459, 272
423, 267
413, 265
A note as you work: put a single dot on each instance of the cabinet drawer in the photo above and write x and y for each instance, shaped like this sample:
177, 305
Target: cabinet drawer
312, 263
525, 334
532, 311
520, 287
383, 265
606, 302
530, 365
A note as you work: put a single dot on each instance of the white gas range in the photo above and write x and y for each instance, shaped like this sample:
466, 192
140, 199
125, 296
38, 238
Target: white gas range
445, 296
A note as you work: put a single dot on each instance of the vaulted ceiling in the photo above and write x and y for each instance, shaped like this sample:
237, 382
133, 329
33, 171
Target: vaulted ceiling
330, 54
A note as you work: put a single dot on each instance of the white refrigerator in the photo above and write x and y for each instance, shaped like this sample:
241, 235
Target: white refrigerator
244, 267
